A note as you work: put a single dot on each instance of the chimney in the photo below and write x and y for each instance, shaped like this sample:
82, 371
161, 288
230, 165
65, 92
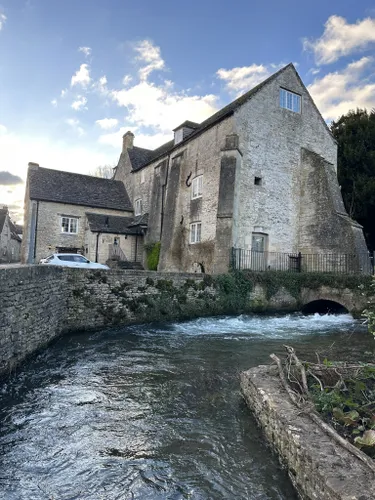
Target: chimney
33, 166
127, 141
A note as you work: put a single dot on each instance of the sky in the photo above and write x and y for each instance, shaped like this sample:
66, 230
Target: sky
75, 75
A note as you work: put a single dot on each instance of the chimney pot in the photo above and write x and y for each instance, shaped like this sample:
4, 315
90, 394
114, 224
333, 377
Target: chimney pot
33, 165
127, 141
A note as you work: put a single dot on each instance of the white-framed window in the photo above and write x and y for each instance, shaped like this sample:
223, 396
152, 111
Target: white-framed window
197, 187
290, 100
69, 225
138, 207
142, 176
195, 232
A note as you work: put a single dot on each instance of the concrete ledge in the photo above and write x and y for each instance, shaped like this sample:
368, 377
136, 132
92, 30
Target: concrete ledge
319, 468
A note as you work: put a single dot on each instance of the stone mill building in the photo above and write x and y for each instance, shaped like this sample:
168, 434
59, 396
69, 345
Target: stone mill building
260, 174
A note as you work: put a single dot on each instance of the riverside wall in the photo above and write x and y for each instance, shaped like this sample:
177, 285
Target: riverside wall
318, 466
39, 303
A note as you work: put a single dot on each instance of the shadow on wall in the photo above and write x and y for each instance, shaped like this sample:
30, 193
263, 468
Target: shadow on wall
324, 307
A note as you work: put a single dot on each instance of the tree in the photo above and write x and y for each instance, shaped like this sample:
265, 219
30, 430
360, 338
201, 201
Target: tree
355, 135
103, 171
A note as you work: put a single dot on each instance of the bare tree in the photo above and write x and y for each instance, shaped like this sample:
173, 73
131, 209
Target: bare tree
103, 171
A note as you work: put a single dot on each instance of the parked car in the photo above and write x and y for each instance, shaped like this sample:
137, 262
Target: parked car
71, 260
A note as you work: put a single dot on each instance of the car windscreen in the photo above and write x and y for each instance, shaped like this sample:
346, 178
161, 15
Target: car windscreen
79, 258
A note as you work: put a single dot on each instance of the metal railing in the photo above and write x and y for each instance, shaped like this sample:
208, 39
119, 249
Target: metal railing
298, 262
116, 253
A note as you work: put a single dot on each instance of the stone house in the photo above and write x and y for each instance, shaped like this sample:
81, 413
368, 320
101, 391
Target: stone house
259, 175
10, 238
68, 212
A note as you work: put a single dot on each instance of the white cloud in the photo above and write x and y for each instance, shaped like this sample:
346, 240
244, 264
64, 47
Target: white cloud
63, 93
149, 105
107, 123
85, 50
153, 141
101, 86
241, 79
341, 39
54, 103
3, 129
338, 92
127, 79
75, 124
79, 103
149, 54
82, 76
3, 18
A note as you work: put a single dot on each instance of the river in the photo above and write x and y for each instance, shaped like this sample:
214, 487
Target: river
154, 411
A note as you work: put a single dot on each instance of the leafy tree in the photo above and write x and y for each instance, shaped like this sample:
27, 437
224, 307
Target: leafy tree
355, 135
103, 171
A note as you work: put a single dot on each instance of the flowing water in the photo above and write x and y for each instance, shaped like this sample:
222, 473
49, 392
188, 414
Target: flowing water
154, 411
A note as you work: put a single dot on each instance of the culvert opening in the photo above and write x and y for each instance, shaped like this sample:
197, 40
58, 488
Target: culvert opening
324, 307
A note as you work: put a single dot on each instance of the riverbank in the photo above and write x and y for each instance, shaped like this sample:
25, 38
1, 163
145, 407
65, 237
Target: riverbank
39, 303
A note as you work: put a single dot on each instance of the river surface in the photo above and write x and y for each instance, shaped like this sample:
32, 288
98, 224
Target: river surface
154, 411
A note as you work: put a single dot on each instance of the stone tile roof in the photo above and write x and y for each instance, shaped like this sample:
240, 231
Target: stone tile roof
188, 124
77, 189
223, 113
116, 224
140, 220
3, 216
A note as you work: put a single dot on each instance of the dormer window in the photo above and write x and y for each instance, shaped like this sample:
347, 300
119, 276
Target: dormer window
197, 187
138, 207
290, 100
184, 130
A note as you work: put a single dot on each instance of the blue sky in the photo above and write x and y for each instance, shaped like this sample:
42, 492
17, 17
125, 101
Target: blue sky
76, 74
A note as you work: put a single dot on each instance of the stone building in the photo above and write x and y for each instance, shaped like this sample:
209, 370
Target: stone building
67, 212
259, 175
10, 238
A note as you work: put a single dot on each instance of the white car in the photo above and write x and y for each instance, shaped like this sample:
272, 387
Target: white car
71, 260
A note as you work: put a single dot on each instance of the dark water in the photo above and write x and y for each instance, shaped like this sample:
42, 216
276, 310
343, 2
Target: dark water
154, 412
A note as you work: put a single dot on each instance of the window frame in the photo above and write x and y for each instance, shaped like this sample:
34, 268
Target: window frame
285, 95
195, 233
70, 224
197, 187
138, 207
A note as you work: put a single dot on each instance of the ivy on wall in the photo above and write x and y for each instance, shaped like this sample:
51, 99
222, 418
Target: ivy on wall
153, 254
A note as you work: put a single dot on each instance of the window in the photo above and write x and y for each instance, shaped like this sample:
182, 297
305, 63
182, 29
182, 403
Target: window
197, 187
290, 100
195, 232
69, 225
138, 207
142, 176
258, 181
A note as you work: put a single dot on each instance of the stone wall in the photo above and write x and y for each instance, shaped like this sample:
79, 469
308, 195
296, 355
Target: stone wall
41, 302
318, 467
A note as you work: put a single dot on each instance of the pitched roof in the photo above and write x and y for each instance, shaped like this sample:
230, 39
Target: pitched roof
139, 157
115, 224
212, 120
188, 124
77, 189
3, 216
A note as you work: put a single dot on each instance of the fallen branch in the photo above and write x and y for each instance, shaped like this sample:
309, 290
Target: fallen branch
299, 365
316, 419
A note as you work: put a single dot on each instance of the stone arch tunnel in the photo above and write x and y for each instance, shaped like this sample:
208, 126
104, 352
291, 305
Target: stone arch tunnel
322, 306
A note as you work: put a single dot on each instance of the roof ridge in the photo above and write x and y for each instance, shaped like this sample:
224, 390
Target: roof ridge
75, 173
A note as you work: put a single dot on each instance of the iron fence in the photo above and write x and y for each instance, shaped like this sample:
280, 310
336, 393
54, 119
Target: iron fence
298, 262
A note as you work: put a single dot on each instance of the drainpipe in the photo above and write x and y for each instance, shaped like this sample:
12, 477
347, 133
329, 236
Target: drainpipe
163, 190
97, 247
136, 248
36, 230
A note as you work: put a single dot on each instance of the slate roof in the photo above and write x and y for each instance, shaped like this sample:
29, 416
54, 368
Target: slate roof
12, 227
76, 189
188, 124
140, 220
3, 216
115, 224
140, 162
